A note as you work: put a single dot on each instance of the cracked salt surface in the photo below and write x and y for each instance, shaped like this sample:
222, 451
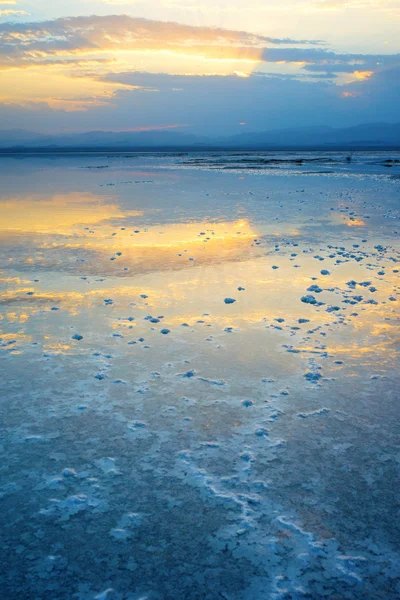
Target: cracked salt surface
249, 454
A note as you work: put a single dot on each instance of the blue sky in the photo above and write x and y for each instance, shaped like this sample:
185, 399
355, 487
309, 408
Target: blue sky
203, 67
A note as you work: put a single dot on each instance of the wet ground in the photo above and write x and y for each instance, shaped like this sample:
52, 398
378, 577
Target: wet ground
199, 376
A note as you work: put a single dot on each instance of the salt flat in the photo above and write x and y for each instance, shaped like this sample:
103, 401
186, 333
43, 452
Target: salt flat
199, 376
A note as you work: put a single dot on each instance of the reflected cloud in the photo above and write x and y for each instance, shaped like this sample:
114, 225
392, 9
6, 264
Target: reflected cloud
57, 214
13, 342
179, 245
107, 238
96, 258
355, 223
197, 300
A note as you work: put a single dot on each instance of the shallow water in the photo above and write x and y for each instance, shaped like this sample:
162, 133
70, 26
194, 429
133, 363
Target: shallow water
159, 442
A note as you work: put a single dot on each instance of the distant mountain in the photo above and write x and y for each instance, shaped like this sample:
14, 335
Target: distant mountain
17, 138
373, 135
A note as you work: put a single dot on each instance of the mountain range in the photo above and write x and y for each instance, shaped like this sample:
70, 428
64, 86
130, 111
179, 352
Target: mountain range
364, 136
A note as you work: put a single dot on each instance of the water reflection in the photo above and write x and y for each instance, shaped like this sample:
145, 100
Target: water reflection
55, 214
267, 300
125, 369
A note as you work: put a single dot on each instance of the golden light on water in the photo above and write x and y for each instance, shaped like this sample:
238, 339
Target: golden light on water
355, 223
56, 214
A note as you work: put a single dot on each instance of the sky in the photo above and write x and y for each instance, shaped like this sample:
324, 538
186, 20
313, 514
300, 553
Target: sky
200, 67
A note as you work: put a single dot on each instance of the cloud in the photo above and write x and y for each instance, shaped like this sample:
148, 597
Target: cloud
213, 105
379, 89
216, 106
115, 36
320, 56
9, 11
95, 64
121, 32
58, 89
370, 4
64, 50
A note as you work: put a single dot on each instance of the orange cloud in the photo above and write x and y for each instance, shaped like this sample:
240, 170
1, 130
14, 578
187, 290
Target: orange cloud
57, 88
356, 223
363, 74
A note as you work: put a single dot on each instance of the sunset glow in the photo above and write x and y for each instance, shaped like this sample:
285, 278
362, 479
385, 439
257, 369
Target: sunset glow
59, 65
